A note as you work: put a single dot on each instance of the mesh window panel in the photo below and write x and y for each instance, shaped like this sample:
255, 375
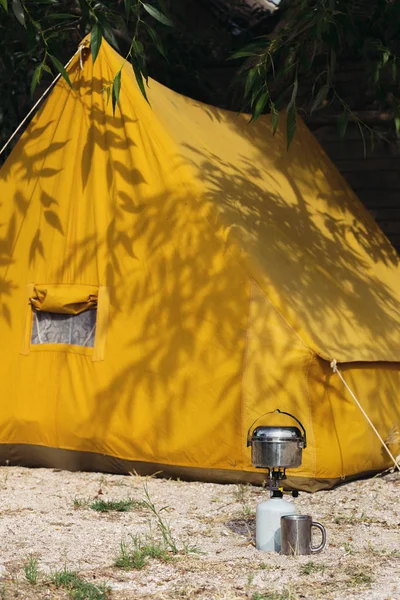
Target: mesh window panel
54, 328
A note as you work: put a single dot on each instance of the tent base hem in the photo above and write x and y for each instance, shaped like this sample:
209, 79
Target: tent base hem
27, 455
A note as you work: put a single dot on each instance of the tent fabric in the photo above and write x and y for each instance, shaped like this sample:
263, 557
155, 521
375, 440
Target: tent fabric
228, 273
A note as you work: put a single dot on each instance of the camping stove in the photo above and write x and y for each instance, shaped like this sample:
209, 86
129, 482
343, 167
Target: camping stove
275, 449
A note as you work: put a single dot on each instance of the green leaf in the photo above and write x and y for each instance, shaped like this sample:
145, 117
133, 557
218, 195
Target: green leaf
46, 68
60, 68
116, 88
36, 78
294, 92
394, 70
18, 12
385, 57
251, 76
254, 96
109, 35
157, 14
4, 4
320, 97
137, 46
291, 123
52, 35
291, 115
156, 40
397, 125
242, 54
106, 29
84, 10
127, 4
143, 69
139, 59
96, 37
260, 105
139, 78
342, 122
274, 118
61, 17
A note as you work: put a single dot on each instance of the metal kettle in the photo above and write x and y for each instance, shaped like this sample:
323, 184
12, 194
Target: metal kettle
278, 447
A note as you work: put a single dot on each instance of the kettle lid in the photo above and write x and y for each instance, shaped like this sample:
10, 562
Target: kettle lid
276, 434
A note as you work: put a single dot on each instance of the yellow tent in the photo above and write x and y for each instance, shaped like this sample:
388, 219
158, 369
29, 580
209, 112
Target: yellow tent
172, 273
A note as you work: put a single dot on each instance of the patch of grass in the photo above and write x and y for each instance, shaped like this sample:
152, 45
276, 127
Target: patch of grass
312, 567
31, 570
247, 510
101, 505
250, 579
348, 548
286, 594
83, 590
358, 577
80, 503
64, 578
78, 588
163, 526
354, 519
240, 495
136, 555
190, 549
382, 551
115, 505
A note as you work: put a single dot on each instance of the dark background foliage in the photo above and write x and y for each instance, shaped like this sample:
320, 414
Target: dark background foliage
334, 62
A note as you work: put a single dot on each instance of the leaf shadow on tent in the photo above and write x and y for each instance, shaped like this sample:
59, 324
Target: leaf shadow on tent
120, 224
179, 313
317, 256
167, 306
270, 158
31, 173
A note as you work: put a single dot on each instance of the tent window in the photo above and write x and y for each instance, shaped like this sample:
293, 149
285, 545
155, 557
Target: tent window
55, 328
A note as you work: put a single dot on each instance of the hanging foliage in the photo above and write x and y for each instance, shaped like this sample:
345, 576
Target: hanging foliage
302, 61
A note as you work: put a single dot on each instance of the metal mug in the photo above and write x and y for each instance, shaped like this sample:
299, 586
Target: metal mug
296, 537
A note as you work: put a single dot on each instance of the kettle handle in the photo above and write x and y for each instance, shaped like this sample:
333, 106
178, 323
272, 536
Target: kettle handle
282, 413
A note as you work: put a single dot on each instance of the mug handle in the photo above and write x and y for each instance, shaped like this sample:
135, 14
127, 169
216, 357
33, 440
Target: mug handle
316, 549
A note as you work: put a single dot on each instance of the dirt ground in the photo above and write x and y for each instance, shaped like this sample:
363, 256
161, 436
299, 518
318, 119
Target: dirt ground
47, 525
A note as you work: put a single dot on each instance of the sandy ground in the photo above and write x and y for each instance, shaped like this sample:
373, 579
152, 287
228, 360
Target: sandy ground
46, 515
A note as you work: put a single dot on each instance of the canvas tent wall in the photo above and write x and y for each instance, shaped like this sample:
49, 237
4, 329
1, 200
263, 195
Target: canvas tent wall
170, 273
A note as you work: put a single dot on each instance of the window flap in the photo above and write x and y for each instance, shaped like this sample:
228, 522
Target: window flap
64, 298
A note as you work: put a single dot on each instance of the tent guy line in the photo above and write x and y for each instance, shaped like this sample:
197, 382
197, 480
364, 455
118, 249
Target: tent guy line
42, 97
336, 370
